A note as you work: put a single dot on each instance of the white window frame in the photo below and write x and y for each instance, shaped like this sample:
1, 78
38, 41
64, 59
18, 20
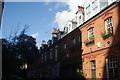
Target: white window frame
111, 63
94, 4
69, 26
90, 32
109, 24
94, 7
88, 11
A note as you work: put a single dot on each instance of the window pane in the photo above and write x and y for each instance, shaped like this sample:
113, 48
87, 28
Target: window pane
64, 46
111, 68
90, 32
74, 41
110, 73
108, 23
93, 65
94, 6
116, 73
88, 11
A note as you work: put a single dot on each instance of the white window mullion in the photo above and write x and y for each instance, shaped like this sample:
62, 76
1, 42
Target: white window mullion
109, 24
111, 64
107, 70
90, 33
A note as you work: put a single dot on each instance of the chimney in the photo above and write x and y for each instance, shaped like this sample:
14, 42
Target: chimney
43, 42
55, 32
80, 8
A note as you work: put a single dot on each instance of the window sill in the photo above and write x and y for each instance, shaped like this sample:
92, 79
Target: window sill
88, 43
107, 35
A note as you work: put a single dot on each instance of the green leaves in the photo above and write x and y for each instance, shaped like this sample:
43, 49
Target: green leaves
107, 34
90, 40
17, 50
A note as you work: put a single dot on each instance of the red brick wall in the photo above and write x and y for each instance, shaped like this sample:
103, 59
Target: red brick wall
100, 55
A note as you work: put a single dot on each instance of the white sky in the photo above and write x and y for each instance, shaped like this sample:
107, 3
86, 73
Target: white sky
62, 17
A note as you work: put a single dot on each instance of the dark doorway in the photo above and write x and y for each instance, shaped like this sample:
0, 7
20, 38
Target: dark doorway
93, 69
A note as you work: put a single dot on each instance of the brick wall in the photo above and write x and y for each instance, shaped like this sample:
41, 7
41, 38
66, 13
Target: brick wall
107, 47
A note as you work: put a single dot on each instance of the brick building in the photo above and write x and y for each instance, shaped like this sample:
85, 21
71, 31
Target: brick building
48, 64
101, 44
60, 57
70, 50
91, 44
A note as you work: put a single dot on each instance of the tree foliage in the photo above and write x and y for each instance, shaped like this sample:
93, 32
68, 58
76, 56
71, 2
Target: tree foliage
17, 51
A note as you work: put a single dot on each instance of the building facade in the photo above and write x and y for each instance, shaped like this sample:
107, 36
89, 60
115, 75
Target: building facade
60, 57
48, 64
90, 44
101, 44
70, 50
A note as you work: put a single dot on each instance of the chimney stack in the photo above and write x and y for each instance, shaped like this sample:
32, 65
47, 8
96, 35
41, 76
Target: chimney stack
80, 8
43, 42
55, 32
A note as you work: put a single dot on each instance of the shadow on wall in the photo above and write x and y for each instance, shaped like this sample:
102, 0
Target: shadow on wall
71, 65
112, 65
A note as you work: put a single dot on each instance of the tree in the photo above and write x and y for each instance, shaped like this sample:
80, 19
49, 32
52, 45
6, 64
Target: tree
9, 61
17, 51
26, 47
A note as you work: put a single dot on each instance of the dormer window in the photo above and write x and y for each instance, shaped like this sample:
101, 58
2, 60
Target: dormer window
69, 26
79, 19
88, 11
94, 6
